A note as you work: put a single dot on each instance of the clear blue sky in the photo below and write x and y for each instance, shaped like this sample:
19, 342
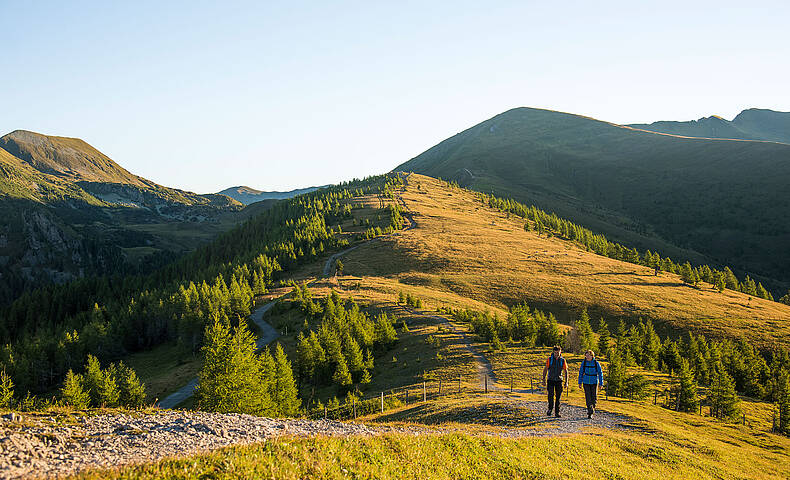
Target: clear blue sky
207, 95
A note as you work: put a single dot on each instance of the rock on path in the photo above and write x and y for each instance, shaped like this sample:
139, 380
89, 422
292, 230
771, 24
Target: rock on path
48, 448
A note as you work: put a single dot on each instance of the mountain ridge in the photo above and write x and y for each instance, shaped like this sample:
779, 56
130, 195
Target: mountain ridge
757, 124
248, 195
714, 200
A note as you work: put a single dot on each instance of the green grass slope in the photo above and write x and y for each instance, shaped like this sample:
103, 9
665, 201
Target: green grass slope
722, 198
67, 210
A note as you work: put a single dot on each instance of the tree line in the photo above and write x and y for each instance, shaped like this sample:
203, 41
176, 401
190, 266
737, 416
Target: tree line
339, 349
551, 225
723, 366
47, 332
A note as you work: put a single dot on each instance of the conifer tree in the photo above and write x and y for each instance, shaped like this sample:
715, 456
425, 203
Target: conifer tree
385, 334
687, 388
6, 390
718, 282
73, 393
366, 378
231, 377
285, 392
132, 390
616, 373
722, 397
652, 347
342, 377
603, 337
109, 393
93, 380
782, 399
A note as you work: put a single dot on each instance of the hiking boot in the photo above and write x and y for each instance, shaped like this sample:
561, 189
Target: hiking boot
557, 415
548, 414
589, 415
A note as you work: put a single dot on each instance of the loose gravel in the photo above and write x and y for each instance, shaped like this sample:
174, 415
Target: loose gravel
52, 447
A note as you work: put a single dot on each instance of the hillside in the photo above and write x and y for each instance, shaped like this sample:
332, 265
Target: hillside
434, 375
69, 211
751, 124
712, 201
461, 246
248, 195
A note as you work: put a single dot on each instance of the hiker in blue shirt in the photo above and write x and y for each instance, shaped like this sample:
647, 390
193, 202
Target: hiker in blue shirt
591, 377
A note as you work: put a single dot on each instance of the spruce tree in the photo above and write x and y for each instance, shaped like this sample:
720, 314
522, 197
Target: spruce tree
603, 338
722, 397
342, 377
6, 390
687, 388
782, 399
652, 347
584, 332
616, 373
230, 380
285, 392
73, 393
109, 393
93, 380
132, 390
718, 280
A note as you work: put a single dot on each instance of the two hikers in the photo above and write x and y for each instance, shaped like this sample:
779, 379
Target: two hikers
556, 367
590, 377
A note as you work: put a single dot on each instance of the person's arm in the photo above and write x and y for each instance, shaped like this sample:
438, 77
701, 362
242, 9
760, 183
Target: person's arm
545, 370
565, 372
581, 374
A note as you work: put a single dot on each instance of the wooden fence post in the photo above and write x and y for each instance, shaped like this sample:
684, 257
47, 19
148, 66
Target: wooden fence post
531, 385
382, 402
655, 398
354, 403
459, 383
744, 419
511, 384
325, 412
440, 389
407, 396
424, 397
485, 382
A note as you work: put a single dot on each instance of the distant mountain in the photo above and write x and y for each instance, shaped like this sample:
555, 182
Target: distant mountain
248, 195
725, 199
751, 124
67, 210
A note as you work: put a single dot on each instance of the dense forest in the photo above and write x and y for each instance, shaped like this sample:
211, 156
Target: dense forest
49, 331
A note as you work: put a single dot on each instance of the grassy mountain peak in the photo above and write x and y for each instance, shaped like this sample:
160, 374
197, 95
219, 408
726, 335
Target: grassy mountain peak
71, 159
706, 200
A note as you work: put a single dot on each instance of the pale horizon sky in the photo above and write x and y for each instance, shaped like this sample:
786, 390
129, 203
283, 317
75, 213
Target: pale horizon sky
203, 96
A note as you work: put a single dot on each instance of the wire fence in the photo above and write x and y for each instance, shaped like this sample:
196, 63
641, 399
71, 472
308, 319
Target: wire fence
435, 389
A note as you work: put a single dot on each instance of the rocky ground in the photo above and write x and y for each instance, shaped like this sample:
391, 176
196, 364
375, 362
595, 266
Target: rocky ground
55, 446
58, 445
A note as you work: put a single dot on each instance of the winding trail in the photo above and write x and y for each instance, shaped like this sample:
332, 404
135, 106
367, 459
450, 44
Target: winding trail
268, 335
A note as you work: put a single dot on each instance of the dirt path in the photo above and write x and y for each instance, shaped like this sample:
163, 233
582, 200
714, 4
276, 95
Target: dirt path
268, 335
56, 446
